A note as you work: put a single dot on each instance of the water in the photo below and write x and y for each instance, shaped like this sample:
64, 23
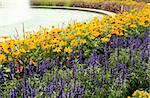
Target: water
17, 16
14, 11
48, 18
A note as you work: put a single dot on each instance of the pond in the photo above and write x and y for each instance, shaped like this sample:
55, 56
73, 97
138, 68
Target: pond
40, 17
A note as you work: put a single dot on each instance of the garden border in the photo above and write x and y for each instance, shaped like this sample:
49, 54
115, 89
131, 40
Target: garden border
77, 8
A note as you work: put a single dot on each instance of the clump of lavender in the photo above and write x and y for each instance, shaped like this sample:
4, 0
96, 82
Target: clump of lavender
100, 74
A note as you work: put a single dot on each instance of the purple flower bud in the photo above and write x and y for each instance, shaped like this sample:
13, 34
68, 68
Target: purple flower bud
24, 75
49, 90
142, 55
1, 77
68, 78
24, 93
28, 87
13, 93
54, 80
80, 56
47, 64
74, 86
62, 82
74, 70
12, 67
41, 71
119, 79
133, 61
93, 73
61, 65
33, 93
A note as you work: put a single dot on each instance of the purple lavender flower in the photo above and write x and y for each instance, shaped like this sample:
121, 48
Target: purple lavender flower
41, 71
68, 78
54, 81
49, 90
31, 71
47, 64
119, 79
13, 93
24, 93
33, 93
142, 55
1, 77
74, 70
93, 73
24, 74
61, 65
12, 67
62, 82
80, 56
74, 85
28, 87
133, 61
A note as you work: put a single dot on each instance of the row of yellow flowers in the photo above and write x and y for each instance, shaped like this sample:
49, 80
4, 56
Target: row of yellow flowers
57, 40
140, 94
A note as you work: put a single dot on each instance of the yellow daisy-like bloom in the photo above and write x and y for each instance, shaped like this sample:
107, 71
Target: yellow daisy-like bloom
70, 37
74, 43
83, 41
2, 57
47, 46
63, 43
126, 35
133, 26
95, 33
5, 37
79, 34
105, 40
57, 49
68, 50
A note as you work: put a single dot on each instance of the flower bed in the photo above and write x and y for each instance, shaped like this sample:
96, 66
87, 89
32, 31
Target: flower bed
117, 6
140, 94
107, 58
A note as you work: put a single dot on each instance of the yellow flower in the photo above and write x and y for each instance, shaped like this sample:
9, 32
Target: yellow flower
79, 34
83, 41
22, 50
46, 46
70, 36
109, 36
74, 43
57, 49
19, 69
32, 62
133, 26
126, 35
105, 40
1, 48
5, 37
63, 43
91, 37
2, 57
95, 33
68, 50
